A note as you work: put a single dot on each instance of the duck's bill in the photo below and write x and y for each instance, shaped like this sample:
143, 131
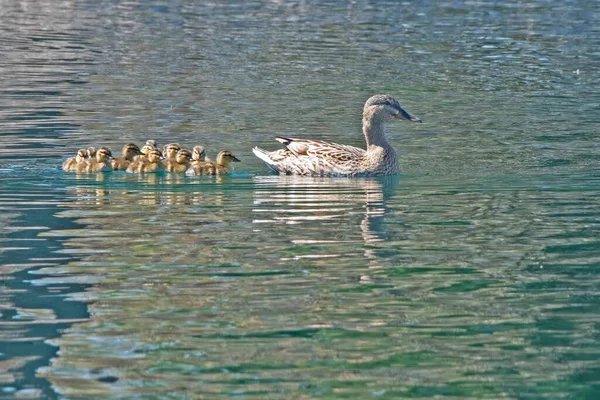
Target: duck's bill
403, 114
235, 159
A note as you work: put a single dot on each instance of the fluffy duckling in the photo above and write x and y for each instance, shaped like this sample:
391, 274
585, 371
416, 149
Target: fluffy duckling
70, 164
170, 150
91, 152
198, 157
100, 164
213, 168
130, 151
198, 154
151, 164
150, 144
180, 163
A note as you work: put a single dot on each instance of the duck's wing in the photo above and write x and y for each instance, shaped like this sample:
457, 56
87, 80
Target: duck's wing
312, 157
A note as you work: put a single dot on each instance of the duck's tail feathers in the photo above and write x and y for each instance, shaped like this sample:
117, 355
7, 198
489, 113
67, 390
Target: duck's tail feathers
265, 156
283, 140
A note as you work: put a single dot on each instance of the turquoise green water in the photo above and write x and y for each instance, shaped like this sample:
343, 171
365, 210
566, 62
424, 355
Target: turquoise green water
474, 274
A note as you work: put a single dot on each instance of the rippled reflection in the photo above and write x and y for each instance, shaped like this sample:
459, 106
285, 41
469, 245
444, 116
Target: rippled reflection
326, 201
266, 278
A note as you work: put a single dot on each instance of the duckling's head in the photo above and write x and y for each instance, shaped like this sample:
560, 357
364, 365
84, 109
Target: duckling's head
183, 156
146, 149
154, 155
170, 150
198, 154
81, 155
131, 150
91, 152
103, 154
151, 143
225, 157
383, 104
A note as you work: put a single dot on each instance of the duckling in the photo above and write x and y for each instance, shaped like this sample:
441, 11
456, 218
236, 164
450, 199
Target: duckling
213, 168
152, 164
198, 154
180, 163
130, 151
170, 150
100, 164
70, 164
150, 144
91, 152
198, 157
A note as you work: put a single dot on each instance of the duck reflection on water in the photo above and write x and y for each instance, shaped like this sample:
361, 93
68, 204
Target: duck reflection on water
295, 200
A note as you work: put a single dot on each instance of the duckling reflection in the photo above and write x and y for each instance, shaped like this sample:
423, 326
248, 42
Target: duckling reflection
90, 190
144, 189
298, 200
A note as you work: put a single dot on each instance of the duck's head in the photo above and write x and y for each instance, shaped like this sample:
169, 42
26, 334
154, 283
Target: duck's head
103, 154
383, 103
183, 156
81, 155
198, 154
151, 143
91, 152
170, 150
154, 155
225, 157
131, 150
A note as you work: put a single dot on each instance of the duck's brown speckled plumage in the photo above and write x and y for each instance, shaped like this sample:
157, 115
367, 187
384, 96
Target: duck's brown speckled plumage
321, 158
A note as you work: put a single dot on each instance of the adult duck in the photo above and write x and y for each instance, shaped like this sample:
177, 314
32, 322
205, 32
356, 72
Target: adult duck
321, 158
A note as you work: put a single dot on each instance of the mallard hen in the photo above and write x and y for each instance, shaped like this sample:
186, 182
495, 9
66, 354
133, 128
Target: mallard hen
321, 158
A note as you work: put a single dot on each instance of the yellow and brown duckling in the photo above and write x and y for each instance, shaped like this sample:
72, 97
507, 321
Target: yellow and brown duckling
219, 167
91, 152
180, 163
198, 158
198, 154
101, 163
130, 151
70, 164
150, 164
150, 144
170, 150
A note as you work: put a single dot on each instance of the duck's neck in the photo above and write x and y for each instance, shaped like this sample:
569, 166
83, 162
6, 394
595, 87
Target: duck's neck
374, 130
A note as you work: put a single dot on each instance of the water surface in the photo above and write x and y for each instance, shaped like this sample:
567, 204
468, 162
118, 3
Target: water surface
473, 274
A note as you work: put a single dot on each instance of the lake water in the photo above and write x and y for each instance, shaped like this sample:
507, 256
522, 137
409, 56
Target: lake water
475, 274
